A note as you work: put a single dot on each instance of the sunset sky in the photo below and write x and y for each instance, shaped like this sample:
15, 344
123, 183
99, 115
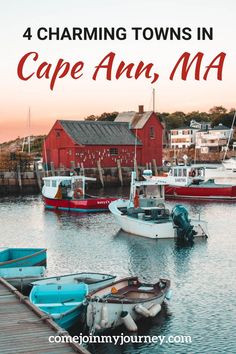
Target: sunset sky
76, 99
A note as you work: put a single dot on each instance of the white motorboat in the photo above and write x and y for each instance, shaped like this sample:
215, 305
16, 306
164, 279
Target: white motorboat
124, 302
145, 213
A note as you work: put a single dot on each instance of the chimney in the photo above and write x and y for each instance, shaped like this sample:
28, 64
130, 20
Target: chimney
140, 109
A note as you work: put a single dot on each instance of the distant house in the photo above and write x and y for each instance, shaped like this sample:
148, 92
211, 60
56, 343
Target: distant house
182, 137
86, 142
214, 139
200, 125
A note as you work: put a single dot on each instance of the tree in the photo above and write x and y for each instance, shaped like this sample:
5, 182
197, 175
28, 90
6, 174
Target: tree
92, 117
217, 110
174, 120
108, 116
103, 117
197, 116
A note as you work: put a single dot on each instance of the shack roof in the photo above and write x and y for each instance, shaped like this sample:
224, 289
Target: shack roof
185, 127
135, 119
220, 127
99, 132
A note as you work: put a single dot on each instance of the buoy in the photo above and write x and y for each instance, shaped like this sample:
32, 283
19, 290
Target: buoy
169, 294
141, 310
128, 321
104, 316
97, 327
114, 290
154, 310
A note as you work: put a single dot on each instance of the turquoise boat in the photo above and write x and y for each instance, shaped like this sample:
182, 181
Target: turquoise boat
93, 280
22, 257
64, 303
22, 276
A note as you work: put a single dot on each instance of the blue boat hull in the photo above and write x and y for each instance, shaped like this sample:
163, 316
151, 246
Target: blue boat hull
23, 257
64, 303
69, 320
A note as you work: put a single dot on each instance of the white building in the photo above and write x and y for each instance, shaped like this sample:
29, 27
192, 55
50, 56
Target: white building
182, 137
214, 139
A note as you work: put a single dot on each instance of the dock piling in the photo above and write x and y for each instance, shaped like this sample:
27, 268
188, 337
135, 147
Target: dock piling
19, 177
120, 172
38, 175
100, 172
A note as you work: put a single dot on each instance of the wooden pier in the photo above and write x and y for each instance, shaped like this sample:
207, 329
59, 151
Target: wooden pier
25, 329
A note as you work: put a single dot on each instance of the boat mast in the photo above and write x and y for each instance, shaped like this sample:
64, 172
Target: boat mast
231, 130
46, 158
29, 132
153, 100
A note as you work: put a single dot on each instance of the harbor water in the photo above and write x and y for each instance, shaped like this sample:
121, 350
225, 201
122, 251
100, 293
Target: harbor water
203, 305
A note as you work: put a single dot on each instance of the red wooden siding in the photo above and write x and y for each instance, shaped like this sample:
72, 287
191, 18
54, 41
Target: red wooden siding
61, 149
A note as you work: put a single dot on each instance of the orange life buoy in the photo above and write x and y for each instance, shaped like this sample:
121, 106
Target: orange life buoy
78, 193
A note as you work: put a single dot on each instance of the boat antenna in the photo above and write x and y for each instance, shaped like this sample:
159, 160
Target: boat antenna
153, 99
135, 149
46, 158
231, 130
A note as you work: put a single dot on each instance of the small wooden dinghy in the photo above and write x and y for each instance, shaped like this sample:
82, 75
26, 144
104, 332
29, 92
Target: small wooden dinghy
93, 280
22, 257
63, 303
22, 277
124, 302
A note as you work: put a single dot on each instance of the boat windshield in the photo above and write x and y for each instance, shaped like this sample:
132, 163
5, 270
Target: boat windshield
66, 183
151, 191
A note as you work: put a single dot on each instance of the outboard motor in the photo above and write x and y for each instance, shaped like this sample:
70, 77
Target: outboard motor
182, 223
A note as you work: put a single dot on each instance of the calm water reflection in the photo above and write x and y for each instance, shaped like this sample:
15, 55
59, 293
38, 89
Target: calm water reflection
203, 275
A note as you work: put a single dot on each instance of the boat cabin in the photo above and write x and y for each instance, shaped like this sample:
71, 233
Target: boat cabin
65, 187
184, 175
147, 198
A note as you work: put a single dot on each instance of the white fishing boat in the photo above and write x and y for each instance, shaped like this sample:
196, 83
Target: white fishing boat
93, 280
230, 164
124, 302
145, 213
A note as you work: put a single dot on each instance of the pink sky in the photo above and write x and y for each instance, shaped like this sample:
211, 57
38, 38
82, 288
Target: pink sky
76, 99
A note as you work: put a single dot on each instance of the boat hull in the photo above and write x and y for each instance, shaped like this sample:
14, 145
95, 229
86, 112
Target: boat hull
219, 192
114, 313
149, 229
22, 277
64, 303
79, 205
23, 257
105, 307
93, 280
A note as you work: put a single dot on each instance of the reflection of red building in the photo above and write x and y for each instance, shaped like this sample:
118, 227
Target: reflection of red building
88, 141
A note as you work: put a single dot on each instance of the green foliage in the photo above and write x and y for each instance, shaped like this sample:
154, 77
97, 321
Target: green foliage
103, 117
216, 115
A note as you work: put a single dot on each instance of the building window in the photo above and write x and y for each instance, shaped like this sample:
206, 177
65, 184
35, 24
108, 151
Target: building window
113, 151
152, 133
58, 133
174, 132
54, 183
